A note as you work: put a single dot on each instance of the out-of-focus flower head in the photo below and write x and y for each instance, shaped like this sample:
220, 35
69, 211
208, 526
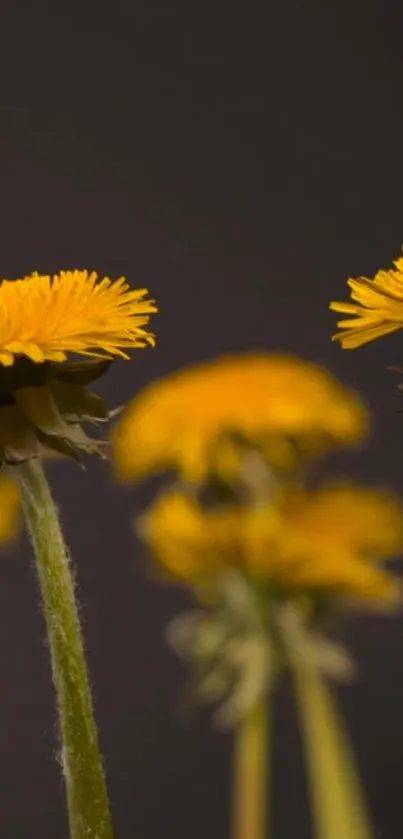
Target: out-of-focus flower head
265, 576
328, 541
200, 419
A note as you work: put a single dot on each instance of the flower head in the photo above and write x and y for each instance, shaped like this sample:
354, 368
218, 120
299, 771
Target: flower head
182, 422
328, 541
45, 317
43, 395
377, 310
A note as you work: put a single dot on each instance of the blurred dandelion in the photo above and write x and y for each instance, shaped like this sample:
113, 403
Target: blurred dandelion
267, 577
325, 542
201, 418
268, 557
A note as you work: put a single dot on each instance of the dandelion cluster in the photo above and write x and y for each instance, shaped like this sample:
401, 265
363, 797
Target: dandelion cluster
242, 524
269, 553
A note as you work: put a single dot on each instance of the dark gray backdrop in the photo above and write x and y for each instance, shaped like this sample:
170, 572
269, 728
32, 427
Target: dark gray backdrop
241, 163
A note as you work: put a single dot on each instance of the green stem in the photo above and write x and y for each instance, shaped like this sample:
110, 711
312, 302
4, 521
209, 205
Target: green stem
87, 800
251, 785
338, 805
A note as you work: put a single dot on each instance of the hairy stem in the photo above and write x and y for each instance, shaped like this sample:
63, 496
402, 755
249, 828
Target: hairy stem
87, 799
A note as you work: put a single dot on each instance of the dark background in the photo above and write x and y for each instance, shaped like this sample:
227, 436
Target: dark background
241, 163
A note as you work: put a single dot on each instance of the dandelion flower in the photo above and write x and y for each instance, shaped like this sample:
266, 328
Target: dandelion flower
45, 317
377, 309
182, 421
43, 395
328, 541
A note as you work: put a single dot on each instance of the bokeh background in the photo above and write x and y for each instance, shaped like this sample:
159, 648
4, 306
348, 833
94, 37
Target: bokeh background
241, 162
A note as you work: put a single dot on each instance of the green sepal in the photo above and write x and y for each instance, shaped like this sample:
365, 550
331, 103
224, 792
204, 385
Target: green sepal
60, 446
39, 407
78, 437
23, 373
18, 440
77, 403
53, 429
79, 372
26, 373
232, 664
70, 447
42, 406
238, 647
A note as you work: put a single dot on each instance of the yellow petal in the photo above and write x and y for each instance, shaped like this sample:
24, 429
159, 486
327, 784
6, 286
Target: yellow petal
363, 335
43, 317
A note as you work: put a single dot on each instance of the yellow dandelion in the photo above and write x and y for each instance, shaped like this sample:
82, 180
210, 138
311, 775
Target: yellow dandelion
45, 317
43, 395
328, 541
377, 310
181, 422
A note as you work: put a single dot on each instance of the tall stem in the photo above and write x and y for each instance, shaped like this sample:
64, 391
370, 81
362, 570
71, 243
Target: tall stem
338, 805
251, 783
87, 800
